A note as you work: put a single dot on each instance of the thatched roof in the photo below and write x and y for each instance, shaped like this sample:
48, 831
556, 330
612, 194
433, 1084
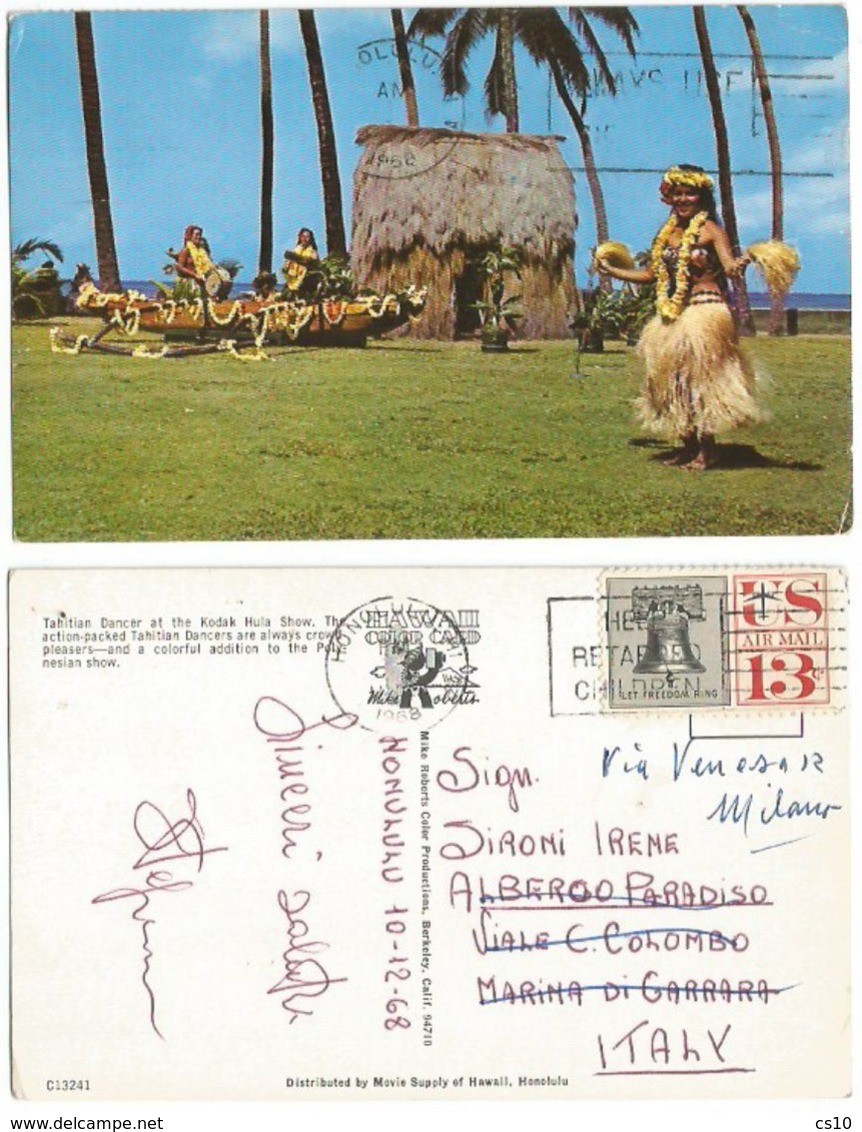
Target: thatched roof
444, 189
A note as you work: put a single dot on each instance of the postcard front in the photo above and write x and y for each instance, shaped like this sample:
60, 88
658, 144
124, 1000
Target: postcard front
441, 834
353, 285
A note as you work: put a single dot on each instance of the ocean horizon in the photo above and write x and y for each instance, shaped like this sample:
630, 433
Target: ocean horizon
802, 300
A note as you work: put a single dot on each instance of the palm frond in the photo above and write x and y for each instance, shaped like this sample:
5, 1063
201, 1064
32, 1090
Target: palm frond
431, 22
618, 20
466, 32
24, 250
232, 266
546, 37
586, 33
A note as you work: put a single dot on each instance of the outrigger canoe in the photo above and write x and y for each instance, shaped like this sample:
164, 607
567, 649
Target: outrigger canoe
210, 326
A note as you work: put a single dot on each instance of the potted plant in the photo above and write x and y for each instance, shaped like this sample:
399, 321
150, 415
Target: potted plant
601, 313
499, 310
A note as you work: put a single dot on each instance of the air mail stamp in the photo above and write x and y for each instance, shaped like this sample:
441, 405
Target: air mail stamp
780, 640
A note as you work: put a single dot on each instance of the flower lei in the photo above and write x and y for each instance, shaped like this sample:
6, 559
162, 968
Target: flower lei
670, 308
200, 260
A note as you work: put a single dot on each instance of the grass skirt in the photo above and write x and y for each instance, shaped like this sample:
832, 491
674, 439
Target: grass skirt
697, 377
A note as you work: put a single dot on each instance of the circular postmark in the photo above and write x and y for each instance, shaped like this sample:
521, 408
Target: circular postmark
400, 660
402, 159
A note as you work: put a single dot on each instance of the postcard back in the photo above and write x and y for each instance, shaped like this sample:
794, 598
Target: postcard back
439, 834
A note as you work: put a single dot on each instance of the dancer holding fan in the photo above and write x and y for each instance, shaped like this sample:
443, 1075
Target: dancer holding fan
699, 381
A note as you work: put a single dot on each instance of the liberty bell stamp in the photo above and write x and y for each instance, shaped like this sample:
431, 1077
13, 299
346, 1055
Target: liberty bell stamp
666, 642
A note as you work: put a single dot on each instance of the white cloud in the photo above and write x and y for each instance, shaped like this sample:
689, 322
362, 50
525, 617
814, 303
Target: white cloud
231, 36
809, 74
826, 150
356, 24
812, 207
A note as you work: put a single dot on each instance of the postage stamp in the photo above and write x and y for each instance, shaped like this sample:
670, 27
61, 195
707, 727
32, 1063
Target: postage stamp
779, 639
666, 642
763, 641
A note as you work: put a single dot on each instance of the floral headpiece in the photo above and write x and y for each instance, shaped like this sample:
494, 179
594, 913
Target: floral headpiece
690, 178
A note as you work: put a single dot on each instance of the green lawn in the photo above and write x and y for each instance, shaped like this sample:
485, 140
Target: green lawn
407, 440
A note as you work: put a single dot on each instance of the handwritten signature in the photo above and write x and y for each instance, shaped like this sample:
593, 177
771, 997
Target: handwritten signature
304, 977
163, 840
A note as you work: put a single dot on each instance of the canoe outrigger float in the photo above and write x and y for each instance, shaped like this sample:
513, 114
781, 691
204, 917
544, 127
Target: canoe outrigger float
240, 327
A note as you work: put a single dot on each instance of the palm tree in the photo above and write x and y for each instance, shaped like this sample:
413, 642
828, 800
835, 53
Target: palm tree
775, 161
463, 28
103, 225
507, 96
264, 259
336, 242
722, 149
402, 53
550, 42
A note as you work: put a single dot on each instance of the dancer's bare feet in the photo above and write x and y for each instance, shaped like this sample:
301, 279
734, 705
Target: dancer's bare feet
707, 455
681, 459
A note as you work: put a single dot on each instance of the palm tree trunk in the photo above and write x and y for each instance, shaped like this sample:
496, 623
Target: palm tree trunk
775, 161
103, 225
590, 171
264, 259
408, 88
722, 148
336, 242
506, 36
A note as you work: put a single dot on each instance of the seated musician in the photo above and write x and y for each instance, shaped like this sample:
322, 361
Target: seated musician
298, 261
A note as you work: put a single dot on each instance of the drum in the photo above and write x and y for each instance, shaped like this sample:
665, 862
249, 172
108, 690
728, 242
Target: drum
217, 283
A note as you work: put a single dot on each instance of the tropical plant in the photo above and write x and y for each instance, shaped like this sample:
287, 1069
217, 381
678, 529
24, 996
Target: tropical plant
722, 150
405, 71
331, 278
181, 290
35, 292
600, 314
498, 311
232, 266
336, 241
636, 308
106, 249
264, 259
774, 143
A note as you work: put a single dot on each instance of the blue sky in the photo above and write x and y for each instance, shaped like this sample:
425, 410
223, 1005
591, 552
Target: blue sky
181, 124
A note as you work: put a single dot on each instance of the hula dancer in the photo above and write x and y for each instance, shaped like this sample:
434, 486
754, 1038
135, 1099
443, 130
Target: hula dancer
297, 262
698, 380
193, 261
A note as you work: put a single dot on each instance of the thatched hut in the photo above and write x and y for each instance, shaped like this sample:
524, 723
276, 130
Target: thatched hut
427, 205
